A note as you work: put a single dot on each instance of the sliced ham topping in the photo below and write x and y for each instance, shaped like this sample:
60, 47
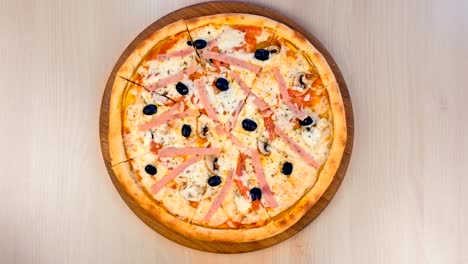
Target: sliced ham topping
260, 103
296, 148
220, 198
257, 164
285, 95
162, 118
240, 82
171, 79
233, 119
236, 141
212, 43
257, 101
169, 177
179, 53
171, 152
208, 106
231, 60
186, 113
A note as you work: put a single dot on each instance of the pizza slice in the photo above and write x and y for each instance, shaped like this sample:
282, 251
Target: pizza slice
232, 41
153, 89
232, 200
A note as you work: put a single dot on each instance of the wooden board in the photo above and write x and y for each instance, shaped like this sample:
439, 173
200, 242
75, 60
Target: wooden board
204, 9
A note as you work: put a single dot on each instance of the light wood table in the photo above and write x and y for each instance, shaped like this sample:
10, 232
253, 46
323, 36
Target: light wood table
404, 199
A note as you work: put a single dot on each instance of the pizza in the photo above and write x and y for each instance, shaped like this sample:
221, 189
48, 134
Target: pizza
227, 127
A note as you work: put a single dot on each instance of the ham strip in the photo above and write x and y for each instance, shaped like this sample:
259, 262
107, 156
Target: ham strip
260, 103
296, 148
269, 198
257, 101
160, 119
186, 113
169, 177
171, 79
171, 152
179, 53
285, 96
207, 105
231, 61
220, 198
236, 141
235, 115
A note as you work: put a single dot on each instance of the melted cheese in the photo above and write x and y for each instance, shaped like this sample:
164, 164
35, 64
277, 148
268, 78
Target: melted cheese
230, 38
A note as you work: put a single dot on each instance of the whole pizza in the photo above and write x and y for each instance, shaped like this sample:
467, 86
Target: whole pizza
226, 127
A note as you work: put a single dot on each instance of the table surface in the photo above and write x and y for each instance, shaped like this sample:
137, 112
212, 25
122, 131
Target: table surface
404, 199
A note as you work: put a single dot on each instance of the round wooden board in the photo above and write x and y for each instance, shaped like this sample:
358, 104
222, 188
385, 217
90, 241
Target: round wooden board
211, 8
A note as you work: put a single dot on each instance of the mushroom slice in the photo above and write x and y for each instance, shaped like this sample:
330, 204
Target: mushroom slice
263, 147
212, 163
303, 79
273, 49
202, 128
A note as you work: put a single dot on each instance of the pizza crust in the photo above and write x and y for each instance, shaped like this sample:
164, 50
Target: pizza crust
232, 19
279, 223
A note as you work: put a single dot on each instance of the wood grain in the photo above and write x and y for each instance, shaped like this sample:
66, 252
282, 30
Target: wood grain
403, 199
211, 8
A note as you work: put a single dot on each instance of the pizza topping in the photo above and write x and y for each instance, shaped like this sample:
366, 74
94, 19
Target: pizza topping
188, 112
222, 84
192, 194
199, 44
287, 168
214, 181
167, 116
202, 133
232, 61
155, 147
273, 49
186, 130
236, 141
172, 151
261, 105
296, 148
150, 109
233, 118
171, 79
212, 163
239, 172
249, 125
150, 169
255, 194
207, 105
263, 148
285, 96
302, 80
181, 88
160, 119
174, 173
257, 164
204, 99
179, 53
306, 122
262, 54
220, 198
